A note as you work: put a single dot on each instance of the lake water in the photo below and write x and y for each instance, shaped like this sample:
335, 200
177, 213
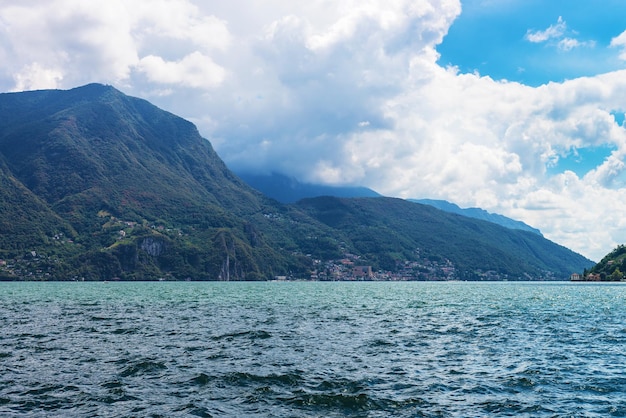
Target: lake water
312, 349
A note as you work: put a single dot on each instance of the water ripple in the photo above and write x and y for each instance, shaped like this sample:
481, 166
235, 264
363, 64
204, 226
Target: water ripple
312, 349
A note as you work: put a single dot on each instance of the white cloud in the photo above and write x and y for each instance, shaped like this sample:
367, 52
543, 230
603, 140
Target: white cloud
557, 34
567, 44
554, 31
620, 42
109, 41
194, 70
95, 40
179, 20
35, 77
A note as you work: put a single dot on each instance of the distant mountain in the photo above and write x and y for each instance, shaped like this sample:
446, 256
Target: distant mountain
289, 190
388, 229
478, 213
97, 185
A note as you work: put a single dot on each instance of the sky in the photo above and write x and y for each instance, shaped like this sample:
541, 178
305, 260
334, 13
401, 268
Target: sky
513, 106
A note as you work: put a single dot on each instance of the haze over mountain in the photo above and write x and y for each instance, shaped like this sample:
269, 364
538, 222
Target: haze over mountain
99, 185
478, 214
289, 190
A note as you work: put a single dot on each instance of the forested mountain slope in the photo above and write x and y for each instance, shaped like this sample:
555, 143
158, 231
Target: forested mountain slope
97, 185
388, 229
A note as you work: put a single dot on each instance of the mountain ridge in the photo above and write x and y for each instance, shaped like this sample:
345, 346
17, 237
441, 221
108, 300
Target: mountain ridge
98, 185
478, 213
287, 189
104, 152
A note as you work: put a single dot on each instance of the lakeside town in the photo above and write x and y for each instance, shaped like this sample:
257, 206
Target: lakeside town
40, 267
349, 269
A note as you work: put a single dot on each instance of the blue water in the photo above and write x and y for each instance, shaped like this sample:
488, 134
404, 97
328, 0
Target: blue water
312, 349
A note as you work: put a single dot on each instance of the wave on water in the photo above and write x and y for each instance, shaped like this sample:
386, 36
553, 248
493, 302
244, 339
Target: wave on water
312, 350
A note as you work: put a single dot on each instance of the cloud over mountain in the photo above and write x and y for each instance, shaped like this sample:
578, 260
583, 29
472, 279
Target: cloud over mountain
350, 93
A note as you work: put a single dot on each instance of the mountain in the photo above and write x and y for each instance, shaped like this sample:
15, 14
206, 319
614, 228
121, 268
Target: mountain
109, 186
289, 190
97, 185
612, 267
478, 213
388, 230
24, 216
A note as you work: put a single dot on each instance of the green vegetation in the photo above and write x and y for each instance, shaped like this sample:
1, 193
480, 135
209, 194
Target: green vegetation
96, 185
612, 268
387, 231
129, 191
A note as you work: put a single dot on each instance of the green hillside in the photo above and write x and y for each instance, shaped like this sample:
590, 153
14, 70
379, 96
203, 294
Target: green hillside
135, 189
387, 230
612, 267
96, 185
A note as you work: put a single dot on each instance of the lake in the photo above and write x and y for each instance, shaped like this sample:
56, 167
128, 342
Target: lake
312, 349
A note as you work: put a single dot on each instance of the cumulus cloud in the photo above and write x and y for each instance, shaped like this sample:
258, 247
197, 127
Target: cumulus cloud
553, 31
179, 20
347, 92
620, 42
567, 44
66, 34
70, 42
194, 70
319, 81
35, 77
556, 34
522, 130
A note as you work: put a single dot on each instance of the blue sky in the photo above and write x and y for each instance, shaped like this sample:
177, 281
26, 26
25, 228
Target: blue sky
572, 39
514, 106
490, 36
